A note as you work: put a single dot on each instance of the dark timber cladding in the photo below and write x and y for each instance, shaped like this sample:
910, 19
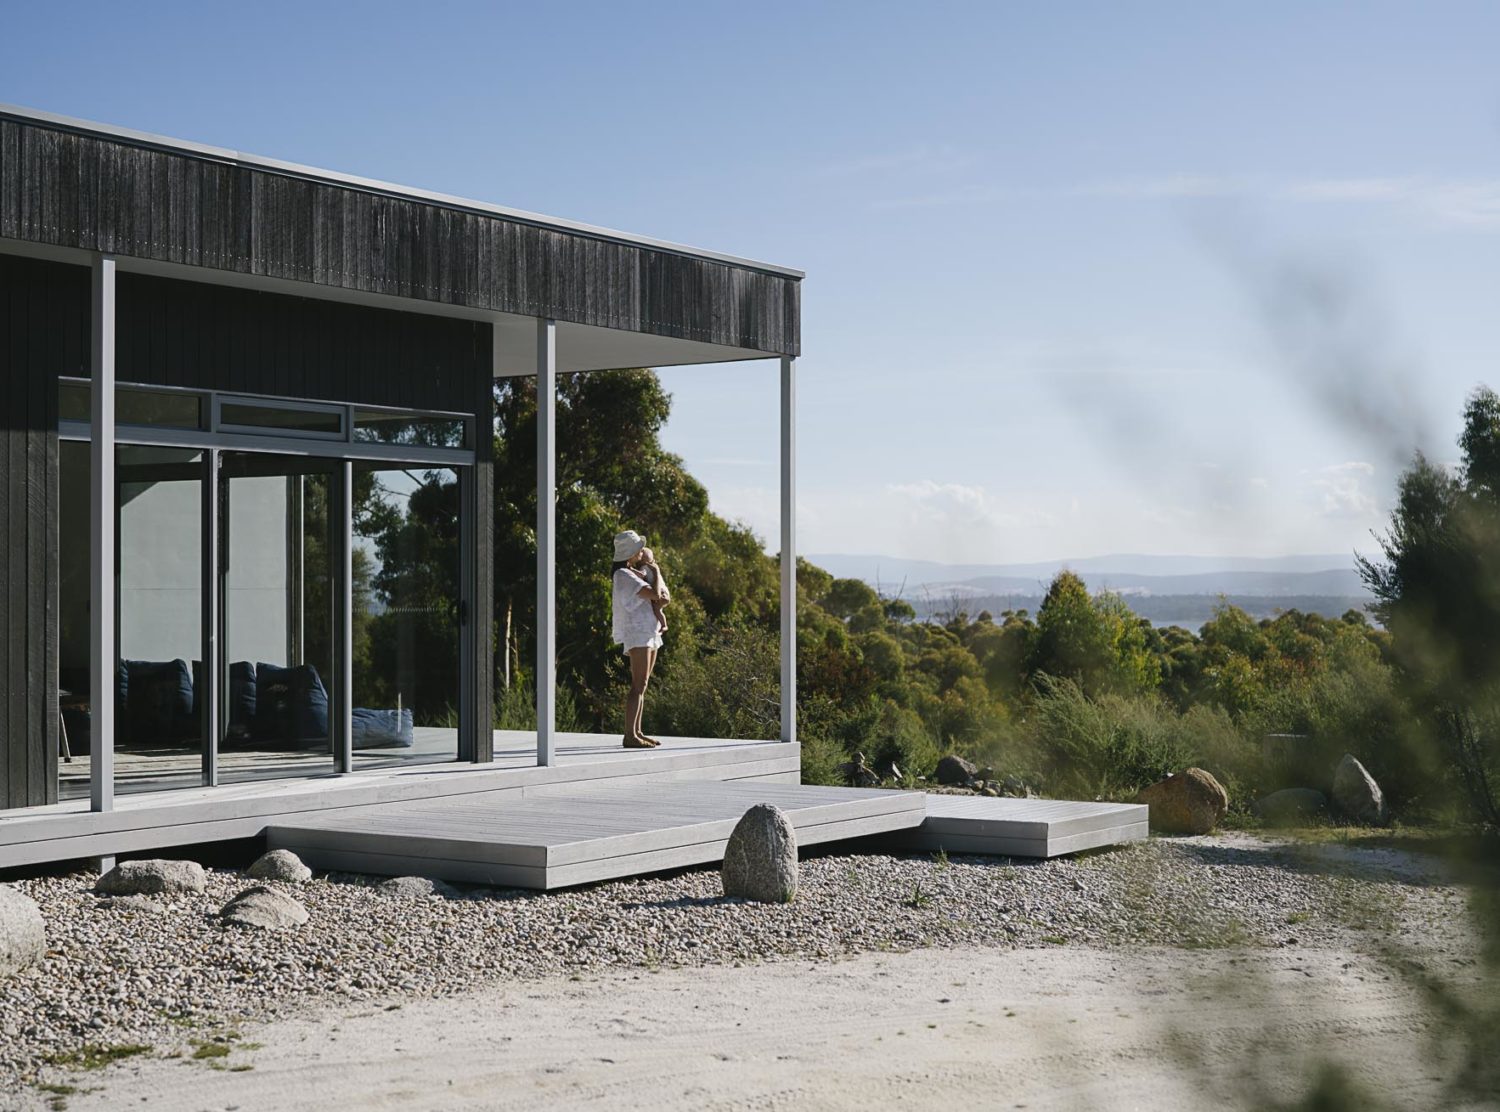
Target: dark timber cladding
43, 333
79, 189
173, 333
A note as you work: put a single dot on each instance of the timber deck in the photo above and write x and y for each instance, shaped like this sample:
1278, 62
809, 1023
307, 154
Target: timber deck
1023, 827
557, 836
148, 821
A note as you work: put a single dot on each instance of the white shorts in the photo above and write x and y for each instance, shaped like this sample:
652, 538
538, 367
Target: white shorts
654, 642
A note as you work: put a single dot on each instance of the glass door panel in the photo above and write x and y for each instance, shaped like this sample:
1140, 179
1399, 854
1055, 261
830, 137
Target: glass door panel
159, 737
406, 609
158, 685
279, 530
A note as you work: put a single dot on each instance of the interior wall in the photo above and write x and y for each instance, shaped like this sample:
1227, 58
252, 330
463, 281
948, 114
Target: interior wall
257, 583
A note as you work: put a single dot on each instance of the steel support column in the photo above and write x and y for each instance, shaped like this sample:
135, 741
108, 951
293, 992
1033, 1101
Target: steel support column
788, 549
546, 541
343, 665
102, 655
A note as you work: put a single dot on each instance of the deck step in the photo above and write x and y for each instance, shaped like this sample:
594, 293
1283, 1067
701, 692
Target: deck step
1022, 827
560, 835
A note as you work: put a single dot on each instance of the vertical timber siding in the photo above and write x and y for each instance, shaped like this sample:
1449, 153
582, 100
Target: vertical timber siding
43, 333
72, 188
212, 337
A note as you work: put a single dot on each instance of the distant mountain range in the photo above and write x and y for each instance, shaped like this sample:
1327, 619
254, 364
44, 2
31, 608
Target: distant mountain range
1166, 589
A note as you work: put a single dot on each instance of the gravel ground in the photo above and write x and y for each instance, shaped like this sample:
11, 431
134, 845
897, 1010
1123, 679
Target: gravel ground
166, 975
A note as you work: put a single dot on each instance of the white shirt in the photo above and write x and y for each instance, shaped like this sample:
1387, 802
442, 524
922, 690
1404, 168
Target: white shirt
635, 623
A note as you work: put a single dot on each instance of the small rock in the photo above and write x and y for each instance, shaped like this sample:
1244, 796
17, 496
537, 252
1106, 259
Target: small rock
1356, 795
954, 771
413, 887
151, 878
23, 937
1187, 802
280, 864
265, 908
760, 860
1290, 805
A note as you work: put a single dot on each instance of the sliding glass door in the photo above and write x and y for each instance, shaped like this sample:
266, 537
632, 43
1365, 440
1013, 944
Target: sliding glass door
278, 563
279, 609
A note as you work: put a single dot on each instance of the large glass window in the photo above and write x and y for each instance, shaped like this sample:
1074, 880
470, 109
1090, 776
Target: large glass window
276, 572
159, 681
406, 631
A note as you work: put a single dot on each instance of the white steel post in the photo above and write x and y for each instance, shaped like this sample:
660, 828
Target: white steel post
788, 548
102, 551
343, 702
546, 540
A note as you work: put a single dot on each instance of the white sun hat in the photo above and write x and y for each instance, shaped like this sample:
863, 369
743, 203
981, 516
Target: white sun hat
627, 544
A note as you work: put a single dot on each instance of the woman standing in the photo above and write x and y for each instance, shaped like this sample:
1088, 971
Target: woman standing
640, 592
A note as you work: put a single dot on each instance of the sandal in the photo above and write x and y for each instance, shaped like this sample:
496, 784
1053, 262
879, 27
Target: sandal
638, 743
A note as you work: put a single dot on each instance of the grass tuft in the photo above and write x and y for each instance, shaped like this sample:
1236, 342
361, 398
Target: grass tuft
91, 1056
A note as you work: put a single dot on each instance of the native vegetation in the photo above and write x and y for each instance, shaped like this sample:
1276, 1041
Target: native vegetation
1082, 698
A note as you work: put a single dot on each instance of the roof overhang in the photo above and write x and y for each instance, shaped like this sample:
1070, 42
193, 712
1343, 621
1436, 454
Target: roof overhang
214, 214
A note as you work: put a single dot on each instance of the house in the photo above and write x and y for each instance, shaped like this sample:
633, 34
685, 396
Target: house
209, 363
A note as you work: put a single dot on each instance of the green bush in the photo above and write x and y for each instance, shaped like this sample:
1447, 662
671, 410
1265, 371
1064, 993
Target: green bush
1113, 746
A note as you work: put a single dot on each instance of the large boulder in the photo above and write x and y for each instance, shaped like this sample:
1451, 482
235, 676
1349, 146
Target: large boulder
265, 909
1187, 802
280, 864
1290, 806
1356, 795
152, 878
954, 771
760, 861
23, 937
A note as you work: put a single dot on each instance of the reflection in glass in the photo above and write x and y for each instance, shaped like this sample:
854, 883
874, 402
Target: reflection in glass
375, 426
279, 603
159, 681
406, 634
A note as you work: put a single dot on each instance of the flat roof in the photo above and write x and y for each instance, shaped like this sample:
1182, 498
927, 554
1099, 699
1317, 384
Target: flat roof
372, 185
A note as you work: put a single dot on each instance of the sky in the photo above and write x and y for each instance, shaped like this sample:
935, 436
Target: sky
1081, 278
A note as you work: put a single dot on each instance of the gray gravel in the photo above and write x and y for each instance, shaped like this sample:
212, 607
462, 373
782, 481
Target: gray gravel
163, 973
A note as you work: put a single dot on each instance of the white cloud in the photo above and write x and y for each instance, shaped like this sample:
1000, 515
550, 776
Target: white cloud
1340, 492
1162, 188
926, 158
946, 198
1449, 202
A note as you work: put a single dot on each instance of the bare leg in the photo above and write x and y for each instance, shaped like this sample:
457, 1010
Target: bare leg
640, 675
640, 703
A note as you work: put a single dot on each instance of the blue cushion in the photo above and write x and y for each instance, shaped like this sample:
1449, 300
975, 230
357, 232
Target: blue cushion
382, 729
291, 704
158, 702
241, 697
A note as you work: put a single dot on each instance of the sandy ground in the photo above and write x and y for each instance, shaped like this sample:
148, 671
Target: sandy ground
1062, 1027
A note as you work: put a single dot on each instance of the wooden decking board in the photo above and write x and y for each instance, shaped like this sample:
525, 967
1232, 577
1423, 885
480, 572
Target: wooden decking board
159, 820
1023, 827
582, 833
